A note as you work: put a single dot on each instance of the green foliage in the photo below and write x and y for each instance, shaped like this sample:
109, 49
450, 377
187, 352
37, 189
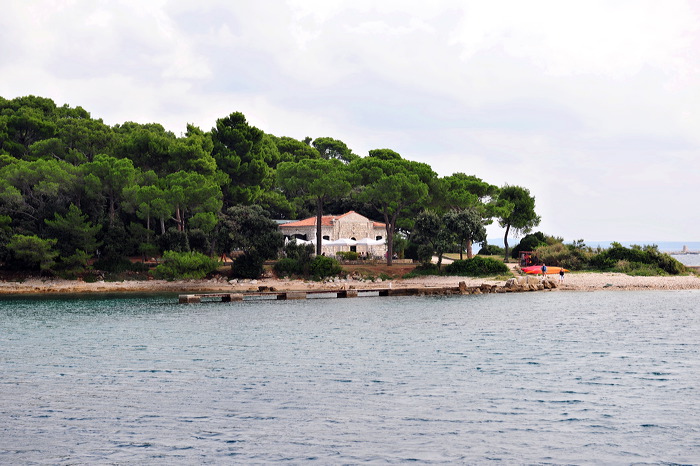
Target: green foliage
74, 265
5, 234
199, 241
248, 265
73, 231
467, 227
491, 250
317, 180
347, 255
477, 267
322, 267
293, 150
297, 260
392, 187
29, 252
516, 211
174, 240
620, 258
287, 267
297, 251
249, 229
530, 242
330, 148
568, 256
185, 265
424, 254
461, 191
638, 269
242, 153
67, 175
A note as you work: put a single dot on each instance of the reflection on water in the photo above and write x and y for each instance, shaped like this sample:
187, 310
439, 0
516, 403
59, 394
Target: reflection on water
527, 378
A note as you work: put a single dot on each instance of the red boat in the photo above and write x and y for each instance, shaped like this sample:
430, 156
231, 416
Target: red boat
537, 269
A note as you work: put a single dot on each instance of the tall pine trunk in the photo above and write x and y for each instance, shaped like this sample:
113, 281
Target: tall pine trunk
505, 242
319, 218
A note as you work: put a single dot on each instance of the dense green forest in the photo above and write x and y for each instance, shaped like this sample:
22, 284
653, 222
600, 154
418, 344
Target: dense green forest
75, 191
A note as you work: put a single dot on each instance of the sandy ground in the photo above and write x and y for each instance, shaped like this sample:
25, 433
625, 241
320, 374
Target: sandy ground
572, 282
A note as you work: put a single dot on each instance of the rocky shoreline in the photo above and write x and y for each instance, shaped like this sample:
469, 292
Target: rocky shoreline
572, 282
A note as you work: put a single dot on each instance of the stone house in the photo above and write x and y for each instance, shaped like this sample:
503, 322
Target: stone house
350, 225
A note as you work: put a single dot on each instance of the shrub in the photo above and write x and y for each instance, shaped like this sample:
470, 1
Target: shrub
347, 255
248, 266
174, 240
491, 250
185, 265
72, 266
529, 243
32, 252
198, 241
322, 267
424, 253
567, 256
297, 259
477, 267
286, 267
617, 255
638, 269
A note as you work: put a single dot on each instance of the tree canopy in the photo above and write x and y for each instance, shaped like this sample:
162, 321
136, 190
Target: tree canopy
517, 212
72, 186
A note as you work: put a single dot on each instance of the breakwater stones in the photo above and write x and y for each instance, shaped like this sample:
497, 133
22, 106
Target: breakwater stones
529, 283
512, 285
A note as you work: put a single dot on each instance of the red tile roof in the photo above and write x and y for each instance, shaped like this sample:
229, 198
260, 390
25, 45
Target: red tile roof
326, 221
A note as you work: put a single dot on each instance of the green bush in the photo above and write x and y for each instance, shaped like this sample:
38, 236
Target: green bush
477, 267
248, 266
424, 253
564, 255
297, 260
32, 252
638, 269
347, 255
491, 250
198, 241
70, 267
322, 267
185, 265
529, 243
286, 267
174, 240
619, 258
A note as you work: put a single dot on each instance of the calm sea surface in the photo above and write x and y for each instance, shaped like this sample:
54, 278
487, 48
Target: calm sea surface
688, 259
549, 377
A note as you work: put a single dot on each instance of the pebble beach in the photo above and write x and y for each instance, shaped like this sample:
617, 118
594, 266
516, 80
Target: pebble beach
585, 281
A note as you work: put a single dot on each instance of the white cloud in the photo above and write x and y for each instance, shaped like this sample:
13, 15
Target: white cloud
592, 105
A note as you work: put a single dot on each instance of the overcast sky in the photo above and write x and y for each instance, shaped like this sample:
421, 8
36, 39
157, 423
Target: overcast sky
592, 105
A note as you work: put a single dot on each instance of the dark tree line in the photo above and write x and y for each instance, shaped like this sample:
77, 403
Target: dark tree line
73, 189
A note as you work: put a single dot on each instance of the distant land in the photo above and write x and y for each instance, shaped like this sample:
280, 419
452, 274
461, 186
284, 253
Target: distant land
664, 246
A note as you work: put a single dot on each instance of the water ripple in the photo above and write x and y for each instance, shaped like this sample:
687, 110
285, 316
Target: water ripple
543, 378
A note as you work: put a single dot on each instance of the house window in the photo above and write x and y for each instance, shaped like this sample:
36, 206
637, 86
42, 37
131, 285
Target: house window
327, 237
378, 238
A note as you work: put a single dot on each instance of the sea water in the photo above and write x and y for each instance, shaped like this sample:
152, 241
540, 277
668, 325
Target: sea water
548, 377
688, 259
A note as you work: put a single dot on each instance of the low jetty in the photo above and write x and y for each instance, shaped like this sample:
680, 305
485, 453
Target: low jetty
512, 285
